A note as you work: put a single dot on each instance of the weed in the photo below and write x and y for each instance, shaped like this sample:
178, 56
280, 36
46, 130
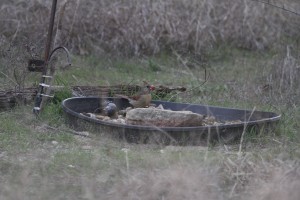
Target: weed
240, 45
153, 66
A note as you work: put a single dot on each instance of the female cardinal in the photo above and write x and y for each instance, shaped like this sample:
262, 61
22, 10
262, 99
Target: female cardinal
143, 98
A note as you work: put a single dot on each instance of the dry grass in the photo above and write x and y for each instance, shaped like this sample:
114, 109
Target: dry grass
283, 184
179, 182
234, 178
39, 163
285, 76
147, 27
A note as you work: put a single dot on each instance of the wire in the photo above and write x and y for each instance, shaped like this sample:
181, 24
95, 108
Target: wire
277, 6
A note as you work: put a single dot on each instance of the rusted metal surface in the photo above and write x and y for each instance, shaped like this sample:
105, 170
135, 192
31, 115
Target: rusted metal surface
11, 98
35, 65
39, 97
8, 97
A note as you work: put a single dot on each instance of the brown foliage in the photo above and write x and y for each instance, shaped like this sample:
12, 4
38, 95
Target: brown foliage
147, 27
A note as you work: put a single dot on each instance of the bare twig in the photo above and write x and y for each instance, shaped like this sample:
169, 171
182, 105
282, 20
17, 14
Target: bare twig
74, 18
244, 131
282, 7
82, 133
9, 78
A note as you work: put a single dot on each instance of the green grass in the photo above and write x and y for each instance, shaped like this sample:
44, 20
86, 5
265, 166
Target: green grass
42, 158
14, 136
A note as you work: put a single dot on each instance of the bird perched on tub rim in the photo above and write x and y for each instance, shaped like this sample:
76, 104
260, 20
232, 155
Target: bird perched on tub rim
143, 98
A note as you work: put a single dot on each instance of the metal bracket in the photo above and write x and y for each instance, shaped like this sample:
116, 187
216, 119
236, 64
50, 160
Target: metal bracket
35, 65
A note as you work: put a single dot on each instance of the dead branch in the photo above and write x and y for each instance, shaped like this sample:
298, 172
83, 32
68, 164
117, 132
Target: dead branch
282, 7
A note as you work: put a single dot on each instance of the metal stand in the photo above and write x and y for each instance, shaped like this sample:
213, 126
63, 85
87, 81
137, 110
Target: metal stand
42, 66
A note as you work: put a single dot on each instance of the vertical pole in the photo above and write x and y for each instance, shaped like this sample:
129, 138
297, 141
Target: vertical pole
39, 97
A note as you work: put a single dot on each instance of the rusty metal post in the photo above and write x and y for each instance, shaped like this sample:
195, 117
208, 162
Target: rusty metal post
38, 98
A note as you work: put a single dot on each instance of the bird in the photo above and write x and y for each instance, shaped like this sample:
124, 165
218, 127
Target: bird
143, 98
110, 110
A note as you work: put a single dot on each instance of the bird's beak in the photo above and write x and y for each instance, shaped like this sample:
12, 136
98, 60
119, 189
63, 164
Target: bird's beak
151, 87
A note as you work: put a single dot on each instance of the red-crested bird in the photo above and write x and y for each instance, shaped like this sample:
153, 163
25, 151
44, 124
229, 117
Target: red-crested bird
143, 98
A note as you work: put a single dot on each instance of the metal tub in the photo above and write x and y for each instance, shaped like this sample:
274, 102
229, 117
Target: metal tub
250, 121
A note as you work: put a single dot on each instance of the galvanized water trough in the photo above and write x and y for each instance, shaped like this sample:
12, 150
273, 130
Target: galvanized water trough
249, 121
